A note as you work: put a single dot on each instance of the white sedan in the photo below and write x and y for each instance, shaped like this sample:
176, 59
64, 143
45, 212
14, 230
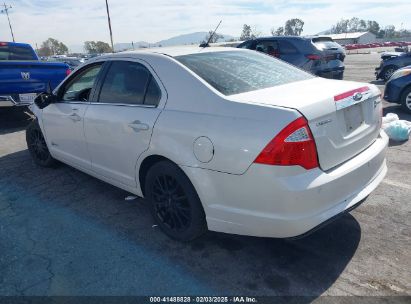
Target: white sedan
223, 139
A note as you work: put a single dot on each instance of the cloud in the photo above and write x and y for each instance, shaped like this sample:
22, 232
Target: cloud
75, 21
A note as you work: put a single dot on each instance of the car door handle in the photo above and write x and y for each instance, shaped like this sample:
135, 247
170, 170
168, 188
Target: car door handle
75, 117
138, 126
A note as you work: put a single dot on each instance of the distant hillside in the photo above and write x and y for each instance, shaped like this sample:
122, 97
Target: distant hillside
192, 38
128, 46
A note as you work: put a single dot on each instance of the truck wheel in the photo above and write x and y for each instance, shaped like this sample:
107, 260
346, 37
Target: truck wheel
174, 203
37, 146
406, 100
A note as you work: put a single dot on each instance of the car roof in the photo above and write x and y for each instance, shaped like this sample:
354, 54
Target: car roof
176, 51
281, 38
16, 43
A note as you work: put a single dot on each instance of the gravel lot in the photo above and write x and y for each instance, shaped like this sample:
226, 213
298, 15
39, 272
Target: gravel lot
63, 232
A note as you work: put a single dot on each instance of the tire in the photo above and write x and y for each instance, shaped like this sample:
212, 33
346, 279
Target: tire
174, 203
37, 146
406, 100
388, 71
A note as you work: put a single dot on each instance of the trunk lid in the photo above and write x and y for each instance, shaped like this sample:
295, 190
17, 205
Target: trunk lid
30, 76
342, 125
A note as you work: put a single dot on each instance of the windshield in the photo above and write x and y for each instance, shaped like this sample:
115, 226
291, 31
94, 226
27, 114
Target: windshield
16, 53
235, 72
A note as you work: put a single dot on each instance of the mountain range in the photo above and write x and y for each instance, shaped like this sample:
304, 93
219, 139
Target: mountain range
192, 38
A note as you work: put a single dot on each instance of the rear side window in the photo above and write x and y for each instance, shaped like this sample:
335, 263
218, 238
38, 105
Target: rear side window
129, 83
16, 53
235, 72
286, 48
269, 47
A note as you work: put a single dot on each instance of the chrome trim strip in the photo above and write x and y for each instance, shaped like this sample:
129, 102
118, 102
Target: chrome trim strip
122, 104
108, 104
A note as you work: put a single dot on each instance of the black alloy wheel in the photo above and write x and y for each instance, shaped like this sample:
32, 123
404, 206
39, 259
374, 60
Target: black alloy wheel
37, 146
174, 203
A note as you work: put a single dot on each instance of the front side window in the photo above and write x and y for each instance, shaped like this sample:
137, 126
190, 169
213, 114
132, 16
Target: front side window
235, 72
79, 88
129, 83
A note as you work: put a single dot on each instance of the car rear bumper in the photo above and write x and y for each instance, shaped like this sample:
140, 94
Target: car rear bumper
332, 74
274, 201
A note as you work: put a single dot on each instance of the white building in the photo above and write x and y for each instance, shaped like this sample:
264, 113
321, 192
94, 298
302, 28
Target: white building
353, 38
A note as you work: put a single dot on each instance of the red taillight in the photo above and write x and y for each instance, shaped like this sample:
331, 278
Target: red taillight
68, 72
3, 43
313, 57
293, 146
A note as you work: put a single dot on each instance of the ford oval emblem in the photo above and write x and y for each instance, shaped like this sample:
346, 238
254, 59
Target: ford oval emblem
357, 96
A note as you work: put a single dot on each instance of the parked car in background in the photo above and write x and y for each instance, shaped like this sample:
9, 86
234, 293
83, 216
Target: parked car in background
223, 139
389, 64
89, 56
23, 76
72, 62
388, 55
398, 88
320, 56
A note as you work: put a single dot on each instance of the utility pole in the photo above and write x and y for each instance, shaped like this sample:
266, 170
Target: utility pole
109, 26
6, 10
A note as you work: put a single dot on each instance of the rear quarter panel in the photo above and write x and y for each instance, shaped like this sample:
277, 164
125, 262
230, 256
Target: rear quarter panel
238, 130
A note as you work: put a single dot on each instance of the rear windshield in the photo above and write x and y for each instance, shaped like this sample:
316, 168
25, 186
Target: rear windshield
16, 53
326, 45
235, 72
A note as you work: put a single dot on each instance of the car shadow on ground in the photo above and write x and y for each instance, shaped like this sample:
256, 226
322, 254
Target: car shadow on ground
97, 243
13, 120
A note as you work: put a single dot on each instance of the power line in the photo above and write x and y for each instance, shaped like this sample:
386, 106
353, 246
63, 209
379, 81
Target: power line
109, 26
6, 10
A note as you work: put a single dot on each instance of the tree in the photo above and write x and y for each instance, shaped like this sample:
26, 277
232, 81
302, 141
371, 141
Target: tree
373, 27
355, 25
340, 27
277, 32
293, 27
246, 33
389, 31
249, 33
52, 47
214, 38
96, 47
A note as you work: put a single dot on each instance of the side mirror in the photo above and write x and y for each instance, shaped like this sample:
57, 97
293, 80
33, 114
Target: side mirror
44, 99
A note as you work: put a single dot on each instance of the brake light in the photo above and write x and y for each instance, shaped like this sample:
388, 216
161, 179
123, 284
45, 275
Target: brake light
3, 43
68, 72
313, 57
293, 146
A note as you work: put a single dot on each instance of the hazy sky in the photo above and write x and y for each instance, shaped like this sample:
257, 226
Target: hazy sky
75, 21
